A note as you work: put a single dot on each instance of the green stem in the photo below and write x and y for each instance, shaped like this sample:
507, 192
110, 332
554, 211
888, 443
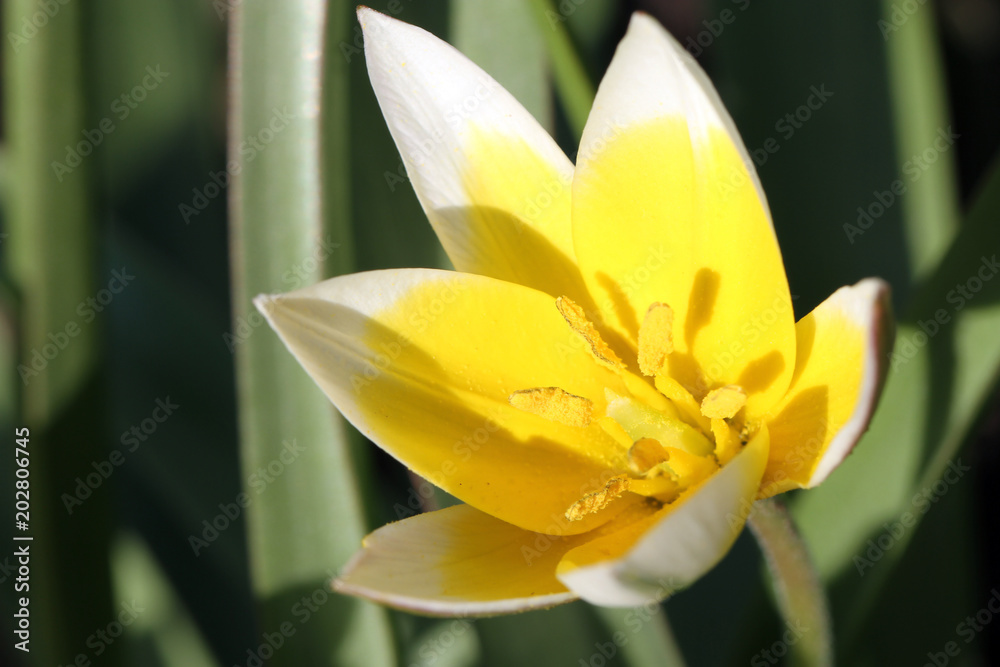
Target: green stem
797, 589
649, 644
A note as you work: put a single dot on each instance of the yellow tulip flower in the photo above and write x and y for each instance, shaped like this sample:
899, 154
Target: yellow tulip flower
613, 374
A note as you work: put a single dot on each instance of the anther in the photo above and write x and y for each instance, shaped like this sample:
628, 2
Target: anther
724, 402
554, 404
598, 500
578, 322
655, 338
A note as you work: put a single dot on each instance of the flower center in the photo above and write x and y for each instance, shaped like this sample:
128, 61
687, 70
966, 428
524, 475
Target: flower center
670, 447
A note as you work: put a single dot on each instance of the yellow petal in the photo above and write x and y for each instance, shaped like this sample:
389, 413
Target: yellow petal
493, 183
458, 562
423, 363
665, 210
842, 349
651, 558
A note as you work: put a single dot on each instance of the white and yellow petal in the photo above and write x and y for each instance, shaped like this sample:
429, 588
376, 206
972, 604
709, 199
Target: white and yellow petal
424, 363
493, 183
458, 562
670, 549
841, 366
667, 208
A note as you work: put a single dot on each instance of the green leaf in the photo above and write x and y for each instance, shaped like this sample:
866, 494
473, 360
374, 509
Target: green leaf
390, 228
160, 630
50, 258
945, 363
290, 227
574, 85
483, 31
923, 133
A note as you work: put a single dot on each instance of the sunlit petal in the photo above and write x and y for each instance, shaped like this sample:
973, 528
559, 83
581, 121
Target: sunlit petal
495, 186
842, 348
665, 209
424, 362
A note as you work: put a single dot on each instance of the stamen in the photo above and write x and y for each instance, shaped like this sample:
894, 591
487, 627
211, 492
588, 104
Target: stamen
683, 400
656, 338
578, 322
689, 469
598, 500
554, 404
727, 443
724, 402
645, 454
615, 430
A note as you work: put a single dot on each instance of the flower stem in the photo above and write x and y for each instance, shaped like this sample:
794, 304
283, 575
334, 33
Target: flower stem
796, 586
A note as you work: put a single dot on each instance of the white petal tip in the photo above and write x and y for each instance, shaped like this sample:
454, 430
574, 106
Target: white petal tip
265, 304
450, 608
365, 13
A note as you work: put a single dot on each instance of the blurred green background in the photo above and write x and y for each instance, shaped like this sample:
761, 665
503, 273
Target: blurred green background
167, 528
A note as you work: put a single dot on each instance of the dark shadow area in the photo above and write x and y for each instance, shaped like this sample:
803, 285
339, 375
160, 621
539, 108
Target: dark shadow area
701, 303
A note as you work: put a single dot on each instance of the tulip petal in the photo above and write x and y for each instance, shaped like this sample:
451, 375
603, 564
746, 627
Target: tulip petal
458, 562
493, 183
841, 366
669, 550
423, 362
667, 208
